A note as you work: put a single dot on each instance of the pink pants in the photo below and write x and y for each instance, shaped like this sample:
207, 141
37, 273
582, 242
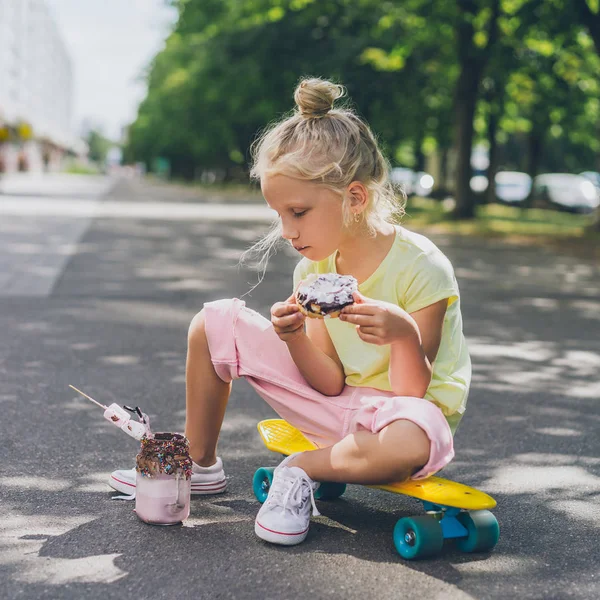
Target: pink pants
242, 343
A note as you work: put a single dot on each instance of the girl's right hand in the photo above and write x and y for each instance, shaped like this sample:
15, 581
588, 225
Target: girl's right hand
288, 321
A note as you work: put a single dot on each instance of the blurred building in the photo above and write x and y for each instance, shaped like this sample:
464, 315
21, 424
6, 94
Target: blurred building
36, 89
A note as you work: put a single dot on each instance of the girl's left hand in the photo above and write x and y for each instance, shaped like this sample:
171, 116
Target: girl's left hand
379, 322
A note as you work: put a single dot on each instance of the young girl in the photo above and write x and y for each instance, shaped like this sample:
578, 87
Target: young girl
381, 389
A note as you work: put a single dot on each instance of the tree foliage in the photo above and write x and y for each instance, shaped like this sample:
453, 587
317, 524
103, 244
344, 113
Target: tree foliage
429, 76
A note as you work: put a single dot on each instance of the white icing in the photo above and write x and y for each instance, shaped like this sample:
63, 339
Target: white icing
325, 287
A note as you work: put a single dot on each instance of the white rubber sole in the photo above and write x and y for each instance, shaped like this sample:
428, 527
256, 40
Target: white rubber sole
208, 489
279, 537
198, 489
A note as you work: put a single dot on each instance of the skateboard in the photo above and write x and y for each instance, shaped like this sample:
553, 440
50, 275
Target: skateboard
454, 511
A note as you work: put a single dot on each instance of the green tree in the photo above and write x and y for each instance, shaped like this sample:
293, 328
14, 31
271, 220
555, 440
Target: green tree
426, 75
548, 90
476, 34
461, 37
98, 146
413, 47
219, 81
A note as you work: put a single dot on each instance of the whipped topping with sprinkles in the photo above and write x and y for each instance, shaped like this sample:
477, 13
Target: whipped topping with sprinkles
327, 289
166, 453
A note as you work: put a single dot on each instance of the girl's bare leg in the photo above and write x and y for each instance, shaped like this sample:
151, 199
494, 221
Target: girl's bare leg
206, 397
391, 455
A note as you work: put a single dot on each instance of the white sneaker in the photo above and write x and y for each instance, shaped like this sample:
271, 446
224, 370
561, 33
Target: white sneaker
285, 515
205, 480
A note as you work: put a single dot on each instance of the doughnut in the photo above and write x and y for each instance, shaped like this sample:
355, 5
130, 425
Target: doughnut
324, 296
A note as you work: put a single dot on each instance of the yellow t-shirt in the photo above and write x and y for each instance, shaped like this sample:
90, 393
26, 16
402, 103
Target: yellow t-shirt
414, 274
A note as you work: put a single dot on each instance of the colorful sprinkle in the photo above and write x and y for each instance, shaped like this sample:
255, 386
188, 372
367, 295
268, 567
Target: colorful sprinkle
166, 453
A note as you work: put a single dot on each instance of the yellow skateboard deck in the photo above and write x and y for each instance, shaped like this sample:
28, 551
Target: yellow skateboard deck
279, 436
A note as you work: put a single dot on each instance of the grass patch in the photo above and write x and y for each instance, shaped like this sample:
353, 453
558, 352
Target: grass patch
498, 220
561, 232
75, 168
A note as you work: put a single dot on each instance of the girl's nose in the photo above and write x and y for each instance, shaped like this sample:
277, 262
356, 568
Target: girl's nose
288, 233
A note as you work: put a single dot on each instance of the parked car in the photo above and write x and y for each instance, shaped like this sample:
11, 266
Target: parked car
479, 183
572, 193
593, 176
414, 183
512, 187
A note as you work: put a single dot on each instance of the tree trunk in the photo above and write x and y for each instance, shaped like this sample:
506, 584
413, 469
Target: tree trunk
443, 185
490, 195
419, 156
466, 100
472, 60
534, 152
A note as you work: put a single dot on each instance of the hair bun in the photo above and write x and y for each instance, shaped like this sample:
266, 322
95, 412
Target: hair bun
315, 97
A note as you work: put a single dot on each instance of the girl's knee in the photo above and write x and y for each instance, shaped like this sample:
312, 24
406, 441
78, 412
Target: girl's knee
415, 449
421, 446
197, 328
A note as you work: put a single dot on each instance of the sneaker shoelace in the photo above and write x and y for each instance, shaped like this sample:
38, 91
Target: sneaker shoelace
288, 492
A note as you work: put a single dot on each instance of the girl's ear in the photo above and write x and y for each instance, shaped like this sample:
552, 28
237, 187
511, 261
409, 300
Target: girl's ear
358, 196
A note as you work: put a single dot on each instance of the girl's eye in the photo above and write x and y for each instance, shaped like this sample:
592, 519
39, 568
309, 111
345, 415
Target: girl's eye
299, 214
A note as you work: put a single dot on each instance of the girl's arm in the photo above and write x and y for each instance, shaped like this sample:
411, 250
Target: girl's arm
311, 347
414, 339
412, 356
317, 360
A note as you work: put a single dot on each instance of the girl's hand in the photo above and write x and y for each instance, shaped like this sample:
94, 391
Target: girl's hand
288, 321
379, 322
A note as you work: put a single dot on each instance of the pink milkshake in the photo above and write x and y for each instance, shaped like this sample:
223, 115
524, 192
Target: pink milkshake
163, 479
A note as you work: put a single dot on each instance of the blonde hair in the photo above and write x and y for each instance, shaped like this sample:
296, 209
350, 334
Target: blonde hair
329, 146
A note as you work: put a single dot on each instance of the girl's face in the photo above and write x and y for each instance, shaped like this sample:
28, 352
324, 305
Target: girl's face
311, 215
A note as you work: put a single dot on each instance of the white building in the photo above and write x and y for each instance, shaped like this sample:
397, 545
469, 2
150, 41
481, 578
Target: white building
36, 89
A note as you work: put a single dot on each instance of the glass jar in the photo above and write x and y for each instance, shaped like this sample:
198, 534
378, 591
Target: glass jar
163, 479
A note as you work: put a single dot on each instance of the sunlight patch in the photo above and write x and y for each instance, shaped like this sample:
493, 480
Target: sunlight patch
43, 484
121, 360
558, 431
541, 303
524, 378
527, 479
214, 513
342, 573
590, 390
589, 512
143, 313
59, 571
23, 537
190, 284
579, 362
239, 422
590, 310
537, 458
497, 563
83, 346
94, 482
331, 523
529, 351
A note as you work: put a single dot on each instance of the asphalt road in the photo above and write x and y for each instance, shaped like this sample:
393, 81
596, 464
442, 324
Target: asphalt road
98, 283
